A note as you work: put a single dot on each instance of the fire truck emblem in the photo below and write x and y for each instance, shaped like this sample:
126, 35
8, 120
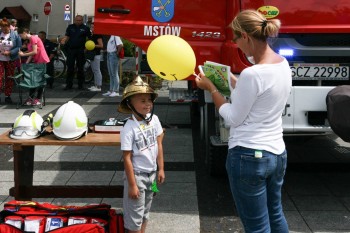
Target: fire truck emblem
163, 11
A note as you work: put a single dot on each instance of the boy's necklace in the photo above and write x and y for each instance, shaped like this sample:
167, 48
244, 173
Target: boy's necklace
142, 129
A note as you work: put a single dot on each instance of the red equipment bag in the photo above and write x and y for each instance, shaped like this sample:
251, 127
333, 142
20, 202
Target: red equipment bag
31, 216
78, 228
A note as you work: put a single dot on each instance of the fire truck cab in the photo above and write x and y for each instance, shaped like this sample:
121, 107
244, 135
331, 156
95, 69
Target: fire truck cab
314, 37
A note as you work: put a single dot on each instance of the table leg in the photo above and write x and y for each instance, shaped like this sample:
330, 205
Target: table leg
23, 159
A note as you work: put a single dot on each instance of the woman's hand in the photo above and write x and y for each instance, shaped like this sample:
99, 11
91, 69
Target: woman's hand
6, 53
233, 81
204, 83
20, 53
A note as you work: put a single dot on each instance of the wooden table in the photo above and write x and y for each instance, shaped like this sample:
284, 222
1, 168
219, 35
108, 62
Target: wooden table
23, 155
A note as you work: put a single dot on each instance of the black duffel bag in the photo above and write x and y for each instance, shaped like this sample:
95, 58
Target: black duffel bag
338, 111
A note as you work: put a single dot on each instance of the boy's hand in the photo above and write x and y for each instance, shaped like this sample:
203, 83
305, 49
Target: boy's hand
134, 192
161, 177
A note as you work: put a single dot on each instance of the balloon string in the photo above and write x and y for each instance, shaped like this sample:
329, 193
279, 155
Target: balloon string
196, 75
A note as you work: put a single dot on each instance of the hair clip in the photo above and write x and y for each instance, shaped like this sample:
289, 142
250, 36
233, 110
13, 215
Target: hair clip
264, 23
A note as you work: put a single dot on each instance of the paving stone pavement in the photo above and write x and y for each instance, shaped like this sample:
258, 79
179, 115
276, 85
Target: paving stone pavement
190, 201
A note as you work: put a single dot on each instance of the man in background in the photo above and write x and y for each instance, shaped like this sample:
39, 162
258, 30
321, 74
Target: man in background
50, 49
75, 38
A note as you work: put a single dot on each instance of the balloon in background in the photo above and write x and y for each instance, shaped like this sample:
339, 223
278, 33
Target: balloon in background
89, 45
171, 57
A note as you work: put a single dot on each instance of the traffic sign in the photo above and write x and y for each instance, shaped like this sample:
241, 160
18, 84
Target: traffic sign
47, 8
66, 17
67, 7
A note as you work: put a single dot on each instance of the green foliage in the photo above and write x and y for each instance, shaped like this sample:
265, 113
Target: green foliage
127, 77
155, 81
129, 48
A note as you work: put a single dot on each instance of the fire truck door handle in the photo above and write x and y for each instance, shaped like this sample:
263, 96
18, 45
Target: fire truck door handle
111, 10
285, 109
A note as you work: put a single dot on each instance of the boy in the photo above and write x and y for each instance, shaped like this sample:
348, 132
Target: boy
141, 143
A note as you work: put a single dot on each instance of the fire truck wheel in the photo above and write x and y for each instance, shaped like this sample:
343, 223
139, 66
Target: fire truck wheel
217, 160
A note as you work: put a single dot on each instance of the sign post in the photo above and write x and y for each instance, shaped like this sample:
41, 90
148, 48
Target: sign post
67, 15
47, 11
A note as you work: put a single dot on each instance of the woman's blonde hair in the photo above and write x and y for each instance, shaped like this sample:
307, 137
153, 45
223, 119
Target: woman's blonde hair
255, 25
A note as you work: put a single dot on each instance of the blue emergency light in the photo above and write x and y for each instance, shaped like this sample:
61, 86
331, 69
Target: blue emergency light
286, 52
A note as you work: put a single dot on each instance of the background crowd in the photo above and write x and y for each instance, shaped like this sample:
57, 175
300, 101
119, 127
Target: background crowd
19, 46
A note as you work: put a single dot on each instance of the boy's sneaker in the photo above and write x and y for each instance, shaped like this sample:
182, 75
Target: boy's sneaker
28, 102
36, 102
95, 89
107, 93
113, 94
92, 87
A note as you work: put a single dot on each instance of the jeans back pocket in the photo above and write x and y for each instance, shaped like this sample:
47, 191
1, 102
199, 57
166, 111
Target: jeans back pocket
253, 171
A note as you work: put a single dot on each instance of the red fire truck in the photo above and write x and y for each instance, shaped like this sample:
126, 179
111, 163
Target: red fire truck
315, 39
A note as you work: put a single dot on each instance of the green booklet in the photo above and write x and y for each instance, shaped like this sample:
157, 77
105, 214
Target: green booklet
219, 74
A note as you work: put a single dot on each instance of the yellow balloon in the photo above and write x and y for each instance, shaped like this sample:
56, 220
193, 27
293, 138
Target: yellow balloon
171, 57
89, 45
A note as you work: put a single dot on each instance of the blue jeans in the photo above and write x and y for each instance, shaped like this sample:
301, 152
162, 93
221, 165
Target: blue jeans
113, 66
256, 188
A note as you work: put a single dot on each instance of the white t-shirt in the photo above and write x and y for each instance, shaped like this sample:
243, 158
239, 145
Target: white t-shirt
144, 150
5, 45
112, 44
257, 104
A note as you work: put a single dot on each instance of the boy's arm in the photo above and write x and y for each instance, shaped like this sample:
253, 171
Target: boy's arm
160, 159
133, 191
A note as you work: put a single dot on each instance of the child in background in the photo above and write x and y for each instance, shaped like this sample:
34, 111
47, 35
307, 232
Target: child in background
96, 61
141, 143
24, 48
36, 53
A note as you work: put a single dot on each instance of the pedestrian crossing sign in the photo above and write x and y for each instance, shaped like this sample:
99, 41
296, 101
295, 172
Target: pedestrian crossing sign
66, 17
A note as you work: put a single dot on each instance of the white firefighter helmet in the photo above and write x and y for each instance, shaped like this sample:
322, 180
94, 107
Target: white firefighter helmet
70, 122
27, 125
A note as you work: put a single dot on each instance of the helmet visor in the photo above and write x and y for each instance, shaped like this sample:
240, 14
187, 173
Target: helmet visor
25, 131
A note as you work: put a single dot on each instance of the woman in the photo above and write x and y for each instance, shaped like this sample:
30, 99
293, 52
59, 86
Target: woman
257, 157
114, 46
36, 54
10, 44
96, 62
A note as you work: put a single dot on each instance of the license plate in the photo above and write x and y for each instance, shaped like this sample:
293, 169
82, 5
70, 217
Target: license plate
320, 72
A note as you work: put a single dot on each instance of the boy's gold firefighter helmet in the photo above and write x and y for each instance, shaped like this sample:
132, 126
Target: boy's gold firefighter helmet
138, 86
